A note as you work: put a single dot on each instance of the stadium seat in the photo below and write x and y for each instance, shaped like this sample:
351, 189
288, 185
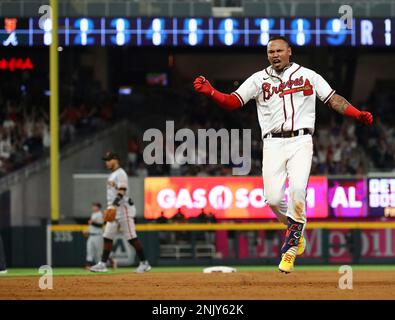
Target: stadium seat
132, 9
181, 9
328, 9
303, 9
380, 9
255, 9
158, 9
10, 8
30, 8
278, 9
332, 9
96, 9
202, 9
69, 9
117, 9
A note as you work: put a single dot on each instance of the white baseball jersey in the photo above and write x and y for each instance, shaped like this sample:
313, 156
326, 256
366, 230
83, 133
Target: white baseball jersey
96, 217
117, 180
285, 101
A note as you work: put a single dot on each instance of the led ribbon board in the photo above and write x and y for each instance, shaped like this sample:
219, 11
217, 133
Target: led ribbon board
197, 32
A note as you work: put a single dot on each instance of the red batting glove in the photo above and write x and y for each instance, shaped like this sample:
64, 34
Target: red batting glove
203, 86
226, 101
366, 118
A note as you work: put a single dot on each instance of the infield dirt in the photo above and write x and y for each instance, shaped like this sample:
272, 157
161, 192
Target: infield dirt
198, 286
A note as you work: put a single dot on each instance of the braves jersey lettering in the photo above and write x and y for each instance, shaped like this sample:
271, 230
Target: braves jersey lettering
268, 90
286, 101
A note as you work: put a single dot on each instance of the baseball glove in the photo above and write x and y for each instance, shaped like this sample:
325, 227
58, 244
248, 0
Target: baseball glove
109, 214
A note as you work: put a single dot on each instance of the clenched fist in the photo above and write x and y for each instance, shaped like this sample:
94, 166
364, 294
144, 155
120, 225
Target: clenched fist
366, 118
203, 86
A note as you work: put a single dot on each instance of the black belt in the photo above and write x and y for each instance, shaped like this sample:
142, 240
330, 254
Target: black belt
287, 134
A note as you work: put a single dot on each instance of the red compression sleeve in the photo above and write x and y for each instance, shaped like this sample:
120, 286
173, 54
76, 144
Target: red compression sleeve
227, 101
352, 112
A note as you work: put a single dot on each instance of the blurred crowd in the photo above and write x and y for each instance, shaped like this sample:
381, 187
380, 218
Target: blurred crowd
24, 122
24, 135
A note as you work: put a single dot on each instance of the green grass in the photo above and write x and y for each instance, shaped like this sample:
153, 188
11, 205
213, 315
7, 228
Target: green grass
27, 272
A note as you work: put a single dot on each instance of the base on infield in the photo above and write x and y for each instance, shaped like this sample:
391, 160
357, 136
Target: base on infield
219, 269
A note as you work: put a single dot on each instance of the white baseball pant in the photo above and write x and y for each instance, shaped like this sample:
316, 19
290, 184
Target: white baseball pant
287, 158
124, 223
94, 248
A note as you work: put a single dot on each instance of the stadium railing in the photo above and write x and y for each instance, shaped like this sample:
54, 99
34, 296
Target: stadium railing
199, 243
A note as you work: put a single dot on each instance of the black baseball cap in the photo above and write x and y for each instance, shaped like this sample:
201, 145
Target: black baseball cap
110, 156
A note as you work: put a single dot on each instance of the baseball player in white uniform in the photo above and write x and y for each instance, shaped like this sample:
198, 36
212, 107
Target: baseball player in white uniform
118, 197
285, 95
94, 244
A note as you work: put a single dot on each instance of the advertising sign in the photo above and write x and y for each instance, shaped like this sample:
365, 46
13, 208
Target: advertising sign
225, 197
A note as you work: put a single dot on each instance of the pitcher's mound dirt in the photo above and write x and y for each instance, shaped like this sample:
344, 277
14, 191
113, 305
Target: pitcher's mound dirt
196, 286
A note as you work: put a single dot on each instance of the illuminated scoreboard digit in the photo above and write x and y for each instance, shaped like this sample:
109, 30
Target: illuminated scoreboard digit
334, 33
265, 25
121, 37
120, 32
156, 32
84, 32
260, 30
228, 32
387, 32
300, 31
193, 32
40, 33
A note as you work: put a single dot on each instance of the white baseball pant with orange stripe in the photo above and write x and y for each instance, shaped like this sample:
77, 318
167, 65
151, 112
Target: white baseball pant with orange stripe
124, 223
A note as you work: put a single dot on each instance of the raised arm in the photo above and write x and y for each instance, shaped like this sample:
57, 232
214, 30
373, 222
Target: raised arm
226, 101
342, 106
